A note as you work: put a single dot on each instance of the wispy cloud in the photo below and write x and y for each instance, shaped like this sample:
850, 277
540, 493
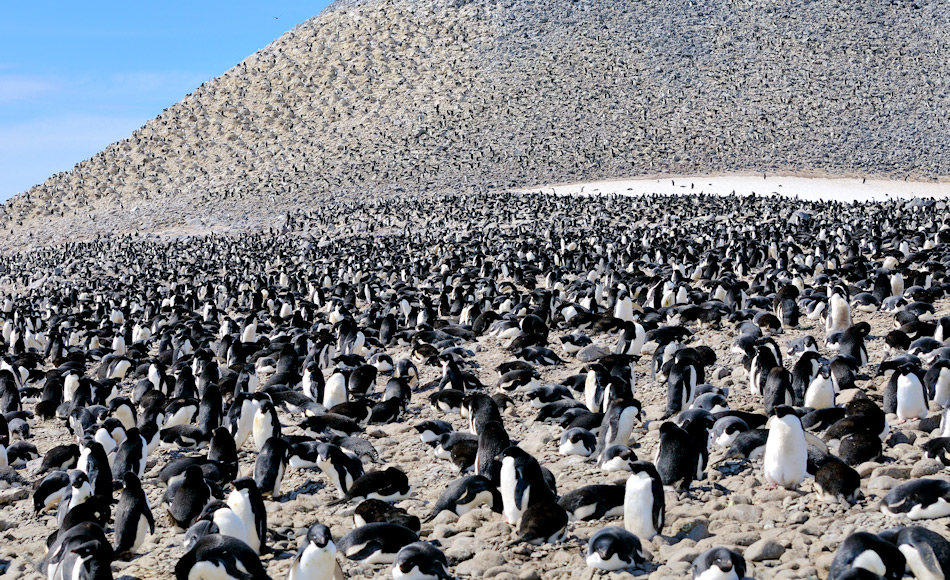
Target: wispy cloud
15, 88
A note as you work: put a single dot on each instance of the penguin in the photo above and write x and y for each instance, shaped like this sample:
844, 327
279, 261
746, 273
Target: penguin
266, 424
341, 468
335, 390
778, 389
852, 342
522, 484
726, 429
927, 552
677, 457
937, 381
222, 558
644, 505
223, 450
616, 458
130, 456
187, 500
836, 480
719, 563
614, 548
247, 502
443, 450
466, 494
375, 510
906, 395
420, 561
77, 493
316, 558
95, 463
821, 392
270, 466
240, 418
59, 458
918, 499
133, 516
90, 560
389, 485
839, 313
593, 502
543, 522
50, 491
577, 441
618, 422
492, 440
429, 431
376, 543
870, 552
786, 454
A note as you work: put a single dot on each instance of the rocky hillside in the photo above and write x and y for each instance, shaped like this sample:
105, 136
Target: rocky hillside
382, 96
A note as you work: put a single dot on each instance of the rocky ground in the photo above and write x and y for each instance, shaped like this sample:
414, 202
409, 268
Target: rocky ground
782, 533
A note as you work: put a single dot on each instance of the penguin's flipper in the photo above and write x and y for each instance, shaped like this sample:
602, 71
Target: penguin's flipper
927, 557
362, 551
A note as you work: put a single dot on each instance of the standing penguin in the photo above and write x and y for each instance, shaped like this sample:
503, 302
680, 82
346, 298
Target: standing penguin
248, 504
270, 466
130, 455
133, 516
335, 390
677, 457
316, 559
644, 506
266, 424
906, 394
937, 381
839, 312
821, 393
618, 423
786, 454
852, 342
240, 418
492, 440
189, 498
522, 484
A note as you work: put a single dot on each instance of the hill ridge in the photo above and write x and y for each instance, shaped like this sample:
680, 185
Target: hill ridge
372, 97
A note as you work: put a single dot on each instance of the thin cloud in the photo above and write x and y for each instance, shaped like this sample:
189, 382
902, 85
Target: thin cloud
15, 88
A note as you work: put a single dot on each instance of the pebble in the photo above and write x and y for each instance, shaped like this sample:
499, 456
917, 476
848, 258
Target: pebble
926, 467
764, 550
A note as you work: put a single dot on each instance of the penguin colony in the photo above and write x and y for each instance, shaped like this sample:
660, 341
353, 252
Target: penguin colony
664, 386
385, 96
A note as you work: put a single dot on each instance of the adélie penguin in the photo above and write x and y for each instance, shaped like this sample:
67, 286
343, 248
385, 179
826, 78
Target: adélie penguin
719, 563
316, 559
927, 552
786, 454
420, 561
644, 506
133, 516
614, 548
522, 484
246, 501
218, 557
870, 552
918, 499
376, 542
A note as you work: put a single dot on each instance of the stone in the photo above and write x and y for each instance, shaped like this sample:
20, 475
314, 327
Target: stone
764, 550
739, 513
480, 563
926, 467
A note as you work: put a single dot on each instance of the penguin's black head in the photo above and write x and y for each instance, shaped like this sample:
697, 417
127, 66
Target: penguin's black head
319, 535
783, 410
88, 549
131, 481
78, 478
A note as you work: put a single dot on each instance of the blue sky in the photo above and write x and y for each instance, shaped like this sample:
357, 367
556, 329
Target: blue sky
77, 76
